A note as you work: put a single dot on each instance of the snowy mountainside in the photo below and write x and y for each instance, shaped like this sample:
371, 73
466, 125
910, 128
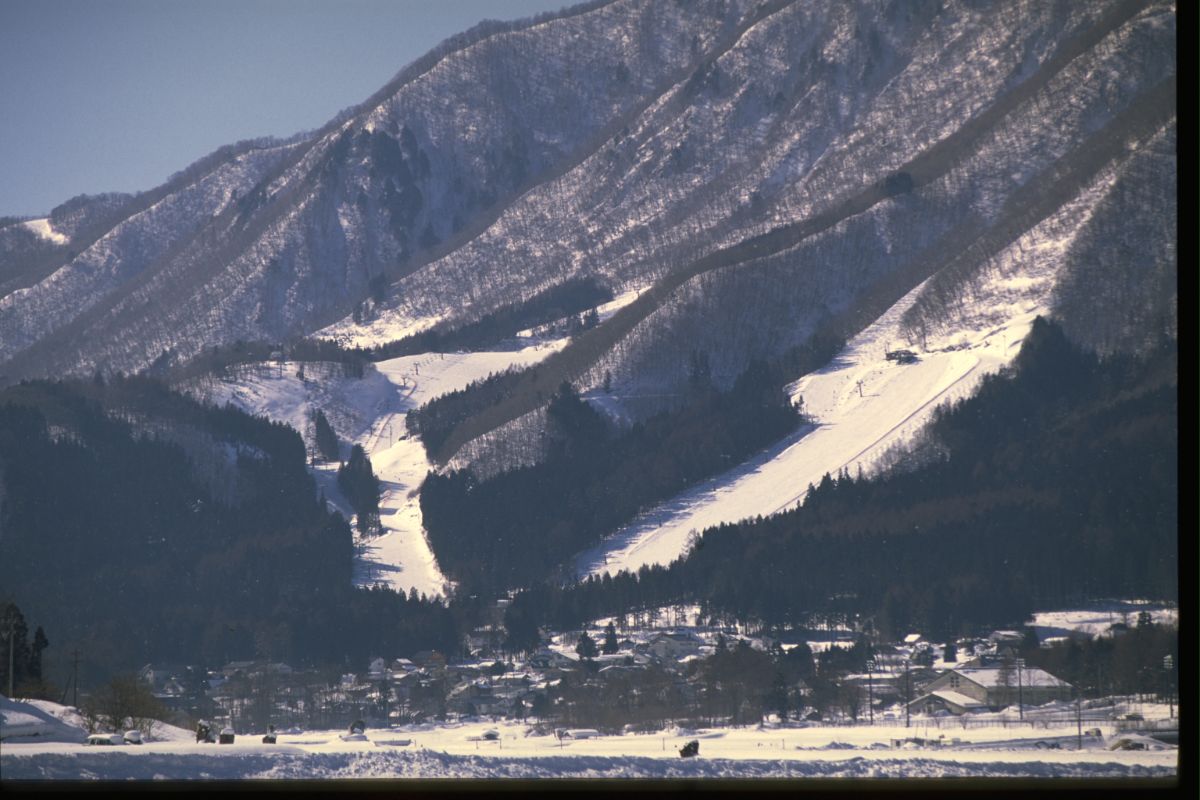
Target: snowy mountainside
763, 306
624, 140
117, 258
751, 176
370, 411
862, 405
1081, 107
356, 205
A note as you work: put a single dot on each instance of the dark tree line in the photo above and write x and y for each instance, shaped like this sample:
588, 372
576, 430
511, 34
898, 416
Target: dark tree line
568, 298
219, 360
1059, 484
358, 483
1128, 663
437, 419
111, 536
521, 525
24, 655
324, 437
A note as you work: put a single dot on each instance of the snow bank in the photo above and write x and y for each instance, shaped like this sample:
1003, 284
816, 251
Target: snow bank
22, 720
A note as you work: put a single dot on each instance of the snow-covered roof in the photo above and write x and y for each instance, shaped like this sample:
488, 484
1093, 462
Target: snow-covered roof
957, 698
1030, 676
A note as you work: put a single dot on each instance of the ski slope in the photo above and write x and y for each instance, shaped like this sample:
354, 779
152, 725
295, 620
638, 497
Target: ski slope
860, 404
371, 412
401, 556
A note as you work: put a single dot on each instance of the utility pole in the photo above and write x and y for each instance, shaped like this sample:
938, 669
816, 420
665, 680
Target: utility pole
1020, 696
75, 678
1078, 721
387, 690
907, 693
870, 692
1169, 669
859, 385
12, 632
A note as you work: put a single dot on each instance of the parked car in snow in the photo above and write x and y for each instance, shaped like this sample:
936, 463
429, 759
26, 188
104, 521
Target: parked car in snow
105, 739
133, 737
581, 733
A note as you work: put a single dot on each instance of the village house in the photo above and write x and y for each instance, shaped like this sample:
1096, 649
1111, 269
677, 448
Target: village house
429, 659
546, 658
670, 646
978, 689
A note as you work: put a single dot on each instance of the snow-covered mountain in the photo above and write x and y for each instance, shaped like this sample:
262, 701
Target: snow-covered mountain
869, 145
744, 176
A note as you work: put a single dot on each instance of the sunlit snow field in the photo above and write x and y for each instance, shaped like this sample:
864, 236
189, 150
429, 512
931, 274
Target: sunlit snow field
454, 750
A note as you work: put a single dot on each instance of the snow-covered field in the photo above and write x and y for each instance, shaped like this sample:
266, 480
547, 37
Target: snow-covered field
1098, 618
371, 412
861, 404
459, 750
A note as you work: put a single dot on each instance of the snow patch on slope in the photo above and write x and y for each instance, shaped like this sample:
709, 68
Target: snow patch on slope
390, 325
45, 230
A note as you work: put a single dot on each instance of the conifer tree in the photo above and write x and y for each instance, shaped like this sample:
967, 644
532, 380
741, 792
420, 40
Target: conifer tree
586, 647
358, 482
610, 640
326, 439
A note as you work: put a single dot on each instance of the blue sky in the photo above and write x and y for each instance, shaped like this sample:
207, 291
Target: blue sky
115, 95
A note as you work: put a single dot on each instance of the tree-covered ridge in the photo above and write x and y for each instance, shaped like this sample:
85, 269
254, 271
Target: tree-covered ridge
1056, 483
141, 525
522, 525
568, 299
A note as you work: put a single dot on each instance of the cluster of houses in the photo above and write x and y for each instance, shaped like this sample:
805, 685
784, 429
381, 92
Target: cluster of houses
912, 675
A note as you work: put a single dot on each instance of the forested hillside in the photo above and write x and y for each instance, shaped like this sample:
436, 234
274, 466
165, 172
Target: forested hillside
524, 524
140, 525
1057, 482
645, 219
